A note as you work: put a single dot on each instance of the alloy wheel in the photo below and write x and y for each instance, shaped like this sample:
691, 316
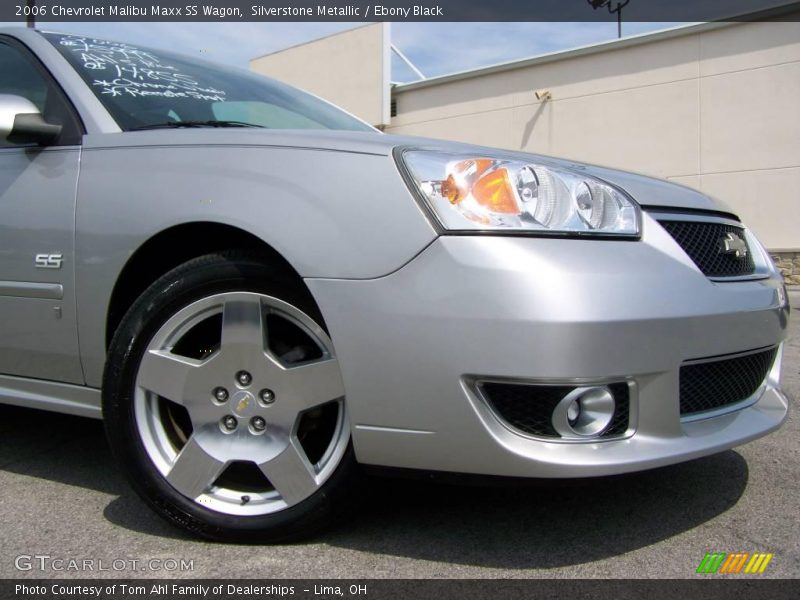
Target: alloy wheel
239, 404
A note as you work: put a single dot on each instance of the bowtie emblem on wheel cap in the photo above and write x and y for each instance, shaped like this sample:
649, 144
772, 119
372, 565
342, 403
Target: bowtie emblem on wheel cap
731, 243
242, 403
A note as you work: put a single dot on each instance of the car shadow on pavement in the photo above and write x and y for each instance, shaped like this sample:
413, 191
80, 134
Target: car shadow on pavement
73, 451
542, 524
504, 524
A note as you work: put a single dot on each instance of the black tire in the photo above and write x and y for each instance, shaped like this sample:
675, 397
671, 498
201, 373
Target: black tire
202, 277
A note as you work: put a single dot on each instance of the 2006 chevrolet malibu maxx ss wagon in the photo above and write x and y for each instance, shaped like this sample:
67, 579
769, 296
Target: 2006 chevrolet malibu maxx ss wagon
257, 292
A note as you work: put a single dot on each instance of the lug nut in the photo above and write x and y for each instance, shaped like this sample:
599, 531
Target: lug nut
267, 396
229, 422
258, 424
220, 394
244, 378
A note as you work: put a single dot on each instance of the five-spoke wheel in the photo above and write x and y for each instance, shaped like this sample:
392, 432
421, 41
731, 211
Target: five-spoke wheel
227, 394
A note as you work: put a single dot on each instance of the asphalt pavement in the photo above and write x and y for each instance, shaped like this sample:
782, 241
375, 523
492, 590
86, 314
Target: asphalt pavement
62, 497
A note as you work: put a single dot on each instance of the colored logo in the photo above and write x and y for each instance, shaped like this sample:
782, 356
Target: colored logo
723, 563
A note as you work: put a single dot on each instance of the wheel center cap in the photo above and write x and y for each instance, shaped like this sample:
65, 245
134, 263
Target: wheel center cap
243, 403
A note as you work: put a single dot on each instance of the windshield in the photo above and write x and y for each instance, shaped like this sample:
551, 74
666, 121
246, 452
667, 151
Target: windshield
144, 88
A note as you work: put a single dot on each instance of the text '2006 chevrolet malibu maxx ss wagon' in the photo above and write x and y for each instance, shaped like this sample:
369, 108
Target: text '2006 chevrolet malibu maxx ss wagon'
258, 292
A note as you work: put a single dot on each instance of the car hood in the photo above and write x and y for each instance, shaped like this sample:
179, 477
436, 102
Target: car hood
647, 191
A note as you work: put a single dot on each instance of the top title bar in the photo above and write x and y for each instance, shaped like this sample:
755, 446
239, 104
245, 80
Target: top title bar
398, 11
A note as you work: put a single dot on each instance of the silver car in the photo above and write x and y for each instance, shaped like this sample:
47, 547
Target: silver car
258, 293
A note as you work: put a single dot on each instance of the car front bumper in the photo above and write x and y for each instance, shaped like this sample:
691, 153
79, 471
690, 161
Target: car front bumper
544, 310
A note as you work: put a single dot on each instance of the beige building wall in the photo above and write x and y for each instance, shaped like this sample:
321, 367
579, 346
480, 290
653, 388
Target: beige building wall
715, 107
350, 69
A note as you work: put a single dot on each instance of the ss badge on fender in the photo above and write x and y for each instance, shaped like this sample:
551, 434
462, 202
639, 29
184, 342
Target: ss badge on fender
49, 261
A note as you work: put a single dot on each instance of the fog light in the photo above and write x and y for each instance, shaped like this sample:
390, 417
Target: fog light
584, 412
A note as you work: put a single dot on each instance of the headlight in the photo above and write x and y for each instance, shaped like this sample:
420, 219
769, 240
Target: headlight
473, 192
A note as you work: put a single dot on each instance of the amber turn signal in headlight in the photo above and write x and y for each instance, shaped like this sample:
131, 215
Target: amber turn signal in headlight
486, 193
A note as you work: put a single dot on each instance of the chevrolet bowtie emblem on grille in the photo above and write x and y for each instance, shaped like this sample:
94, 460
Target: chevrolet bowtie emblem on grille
733, 244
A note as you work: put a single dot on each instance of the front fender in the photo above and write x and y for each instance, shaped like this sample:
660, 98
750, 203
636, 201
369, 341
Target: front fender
330, 214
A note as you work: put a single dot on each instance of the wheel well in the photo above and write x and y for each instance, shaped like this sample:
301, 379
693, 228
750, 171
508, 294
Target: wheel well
172, 247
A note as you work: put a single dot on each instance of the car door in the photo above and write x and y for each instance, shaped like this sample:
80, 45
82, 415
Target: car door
38, 330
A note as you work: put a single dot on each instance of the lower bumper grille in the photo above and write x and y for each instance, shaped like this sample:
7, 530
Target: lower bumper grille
529, 408
715, 384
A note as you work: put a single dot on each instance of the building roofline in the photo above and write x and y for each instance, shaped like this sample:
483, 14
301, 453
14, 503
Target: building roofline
596, 48
548, 57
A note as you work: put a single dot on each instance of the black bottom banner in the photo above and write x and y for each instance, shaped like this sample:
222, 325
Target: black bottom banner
379, 589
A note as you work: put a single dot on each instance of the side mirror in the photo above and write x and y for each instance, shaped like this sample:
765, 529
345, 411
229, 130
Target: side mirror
22, 123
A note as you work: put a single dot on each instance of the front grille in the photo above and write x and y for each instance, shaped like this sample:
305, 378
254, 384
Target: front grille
529, 408
716, 384
705, 244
